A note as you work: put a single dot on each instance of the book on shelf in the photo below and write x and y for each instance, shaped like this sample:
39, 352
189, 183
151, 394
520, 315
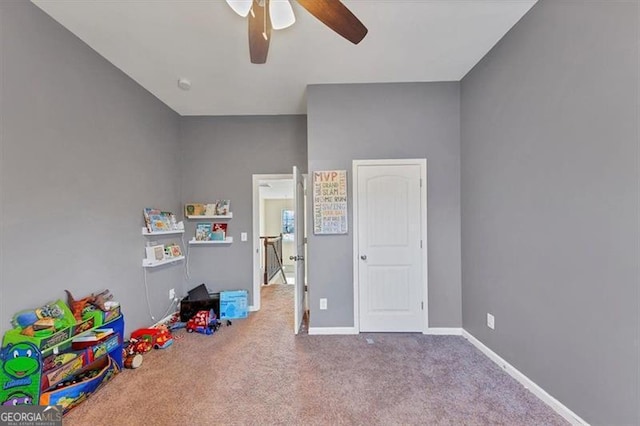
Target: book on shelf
218, 227
194, 209
154, 253
94, 335
159, 223
223, 207
174, 250
157, 220
210, 209
203, 232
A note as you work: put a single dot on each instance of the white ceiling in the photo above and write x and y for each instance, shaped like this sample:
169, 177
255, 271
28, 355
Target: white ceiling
157, 42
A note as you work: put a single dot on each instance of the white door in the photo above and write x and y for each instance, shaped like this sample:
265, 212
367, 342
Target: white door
299, 243
391, 257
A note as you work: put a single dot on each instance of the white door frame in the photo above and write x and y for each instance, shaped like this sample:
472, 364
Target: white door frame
257, 282
422, 162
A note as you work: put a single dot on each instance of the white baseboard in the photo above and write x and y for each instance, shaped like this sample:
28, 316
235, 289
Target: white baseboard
443, 331
332, 330
556, 405
252, 308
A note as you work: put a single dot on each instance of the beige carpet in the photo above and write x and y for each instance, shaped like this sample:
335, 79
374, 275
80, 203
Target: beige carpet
257, 372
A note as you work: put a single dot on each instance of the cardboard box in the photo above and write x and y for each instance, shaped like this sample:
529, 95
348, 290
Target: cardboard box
233, 304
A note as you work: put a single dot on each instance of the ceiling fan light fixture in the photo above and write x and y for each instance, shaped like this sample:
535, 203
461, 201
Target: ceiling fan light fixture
241, 7
281, 14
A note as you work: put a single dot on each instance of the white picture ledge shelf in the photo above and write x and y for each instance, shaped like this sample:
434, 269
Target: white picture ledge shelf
227, 240
147, 264
219, 216
145, 231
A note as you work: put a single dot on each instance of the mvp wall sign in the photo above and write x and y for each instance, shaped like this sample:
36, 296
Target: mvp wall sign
330, 202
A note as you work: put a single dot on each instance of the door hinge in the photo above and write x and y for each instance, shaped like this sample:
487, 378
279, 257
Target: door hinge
420, 243
422, 306
420, 182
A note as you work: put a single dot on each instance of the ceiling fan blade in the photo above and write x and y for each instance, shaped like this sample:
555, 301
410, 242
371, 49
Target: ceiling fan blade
241, 7
281, 14
336, 16
259, 32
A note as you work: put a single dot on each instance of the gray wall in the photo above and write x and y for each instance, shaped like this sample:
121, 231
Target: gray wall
387, 121
219, 157
550, 203
83, 150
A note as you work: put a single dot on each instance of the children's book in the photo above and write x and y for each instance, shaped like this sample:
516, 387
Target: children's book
222, 207
203, 232
194, 209
220, 227
94, 336
159, 222
147, 213
175, 250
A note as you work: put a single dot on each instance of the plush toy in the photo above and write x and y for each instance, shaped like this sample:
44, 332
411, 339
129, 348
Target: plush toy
100, 300
26, 318
77, 306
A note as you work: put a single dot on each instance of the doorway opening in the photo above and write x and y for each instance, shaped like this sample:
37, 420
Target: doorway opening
276, 225
279, 241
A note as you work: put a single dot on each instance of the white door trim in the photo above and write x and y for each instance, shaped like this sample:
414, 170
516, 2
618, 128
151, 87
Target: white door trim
256, 233
422, 162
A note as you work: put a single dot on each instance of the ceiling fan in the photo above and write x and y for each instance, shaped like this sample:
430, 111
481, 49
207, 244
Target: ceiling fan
265, 15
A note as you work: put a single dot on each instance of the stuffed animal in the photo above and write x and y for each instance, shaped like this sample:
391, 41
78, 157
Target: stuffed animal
101, 298
77, 306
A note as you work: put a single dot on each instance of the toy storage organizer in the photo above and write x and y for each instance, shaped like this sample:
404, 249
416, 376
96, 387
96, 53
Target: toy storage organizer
44, 372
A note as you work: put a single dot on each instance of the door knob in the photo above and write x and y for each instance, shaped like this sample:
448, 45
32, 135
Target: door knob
292, 258
296, 258
363, 257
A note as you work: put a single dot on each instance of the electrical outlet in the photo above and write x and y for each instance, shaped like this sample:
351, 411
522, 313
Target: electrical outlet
491, 321
323, 304
172, 294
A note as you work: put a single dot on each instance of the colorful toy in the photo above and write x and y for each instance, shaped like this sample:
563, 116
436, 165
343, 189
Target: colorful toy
78, 306
159, 338
139, 346
32, 320
101, 299
204, 322
133, 361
